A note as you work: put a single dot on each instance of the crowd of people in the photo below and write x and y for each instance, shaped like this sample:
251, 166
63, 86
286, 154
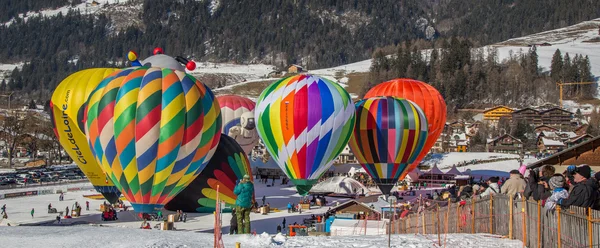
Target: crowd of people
576, 186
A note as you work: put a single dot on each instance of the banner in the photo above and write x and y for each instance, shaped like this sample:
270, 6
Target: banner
20, 194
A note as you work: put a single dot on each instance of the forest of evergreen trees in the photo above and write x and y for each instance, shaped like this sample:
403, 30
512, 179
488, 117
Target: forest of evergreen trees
313, 33
474, 78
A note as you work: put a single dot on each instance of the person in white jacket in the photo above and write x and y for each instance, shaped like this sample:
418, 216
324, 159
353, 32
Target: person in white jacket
492, 188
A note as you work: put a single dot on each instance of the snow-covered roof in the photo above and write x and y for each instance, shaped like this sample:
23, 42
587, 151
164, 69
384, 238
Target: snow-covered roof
568, 134
550, 142
453, 171
339, 185
463, 143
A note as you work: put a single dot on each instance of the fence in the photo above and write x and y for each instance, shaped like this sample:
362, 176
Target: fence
527, 221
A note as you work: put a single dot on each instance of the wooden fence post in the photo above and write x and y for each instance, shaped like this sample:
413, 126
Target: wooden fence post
473, 216
457, 217
524, 222
558, 225
491, 214
423, 219
510, 220
539, 223
438, 225
590, 227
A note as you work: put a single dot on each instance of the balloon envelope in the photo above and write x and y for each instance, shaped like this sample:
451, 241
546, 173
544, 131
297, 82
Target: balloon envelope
305, 122
238, 120
228, 164
68, 106
389, 135
154, 130
427, 98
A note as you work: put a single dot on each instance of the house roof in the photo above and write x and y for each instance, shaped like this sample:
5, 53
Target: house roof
550, 142
572, 152
523, 109
496, 107
501, 137
553, 109
296, 66
540, 126
575, 139
350, 202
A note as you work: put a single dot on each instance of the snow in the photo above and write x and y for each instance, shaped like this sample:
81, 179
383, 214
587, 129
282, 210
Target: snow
549, 142
114, 237
361, 66
256, 70
85, 8
446, 160
571, 39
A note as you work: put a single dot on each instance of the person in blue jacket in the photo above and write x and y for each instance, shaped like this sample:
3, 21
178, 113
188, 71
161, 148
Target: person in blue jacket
244, 191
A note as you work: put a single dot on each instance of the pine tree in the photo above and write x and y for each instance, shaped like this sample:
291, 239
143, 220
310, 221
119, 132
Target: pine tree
556, 67
31, 104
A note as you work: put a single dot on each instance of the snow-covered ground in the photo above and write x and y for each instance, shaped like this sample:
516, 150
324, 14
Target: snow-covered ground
446, 160
85, 8
574, 39
254, 70
498, 168
570, 40
94, 237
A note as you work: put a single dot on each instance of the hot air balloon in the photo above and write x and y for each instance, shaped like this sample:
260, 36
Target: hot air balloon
389, 135
228, 165
238, 120
305, 122
68, 105
427, 98
154, 129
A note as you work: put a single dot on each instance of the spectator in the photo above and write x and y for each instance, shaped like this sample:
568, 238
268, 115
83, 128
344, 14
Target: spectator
233, 224
585, 192
87, 206
557, 183
32, 212
514, 185
492, 188
289, 207
538, 183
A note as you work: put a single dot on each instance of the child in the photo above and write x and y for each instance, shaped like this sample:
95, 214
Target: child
557, 184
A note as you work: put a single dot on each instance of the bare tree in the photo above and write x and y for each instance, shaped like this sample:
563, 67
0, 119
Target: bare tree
12, 131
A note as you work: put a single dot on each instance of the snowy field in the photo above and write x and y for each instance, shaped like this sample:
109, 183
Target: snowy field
85, 8
117, 238
497, 168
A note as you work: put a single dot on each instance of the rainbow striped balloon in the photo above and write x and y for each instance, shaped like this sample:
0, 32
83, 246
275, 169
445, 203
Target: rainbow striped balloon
389, 135
305, 122
152, 130
228, 165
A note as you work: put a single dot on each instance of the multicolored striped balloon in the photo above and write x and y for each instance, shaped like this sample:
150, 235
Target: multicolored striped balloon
305, 122
153, 130
228, 165
389, 135
238, 120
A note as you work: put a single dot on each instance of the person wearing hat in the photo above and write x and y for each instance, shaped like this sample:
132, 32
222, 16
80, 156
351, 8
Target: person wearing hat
244, 191
585, 192
492, 188
514, 185
557, 184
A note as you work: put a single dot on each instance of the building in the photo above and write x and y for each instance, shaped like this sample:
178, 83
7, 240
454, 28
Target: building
527, 115
545, 128
556, 117
580, 130
584, 153
458, 142
295, 69
578, 140
549, 145
493, 115
505, 144
346, 157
